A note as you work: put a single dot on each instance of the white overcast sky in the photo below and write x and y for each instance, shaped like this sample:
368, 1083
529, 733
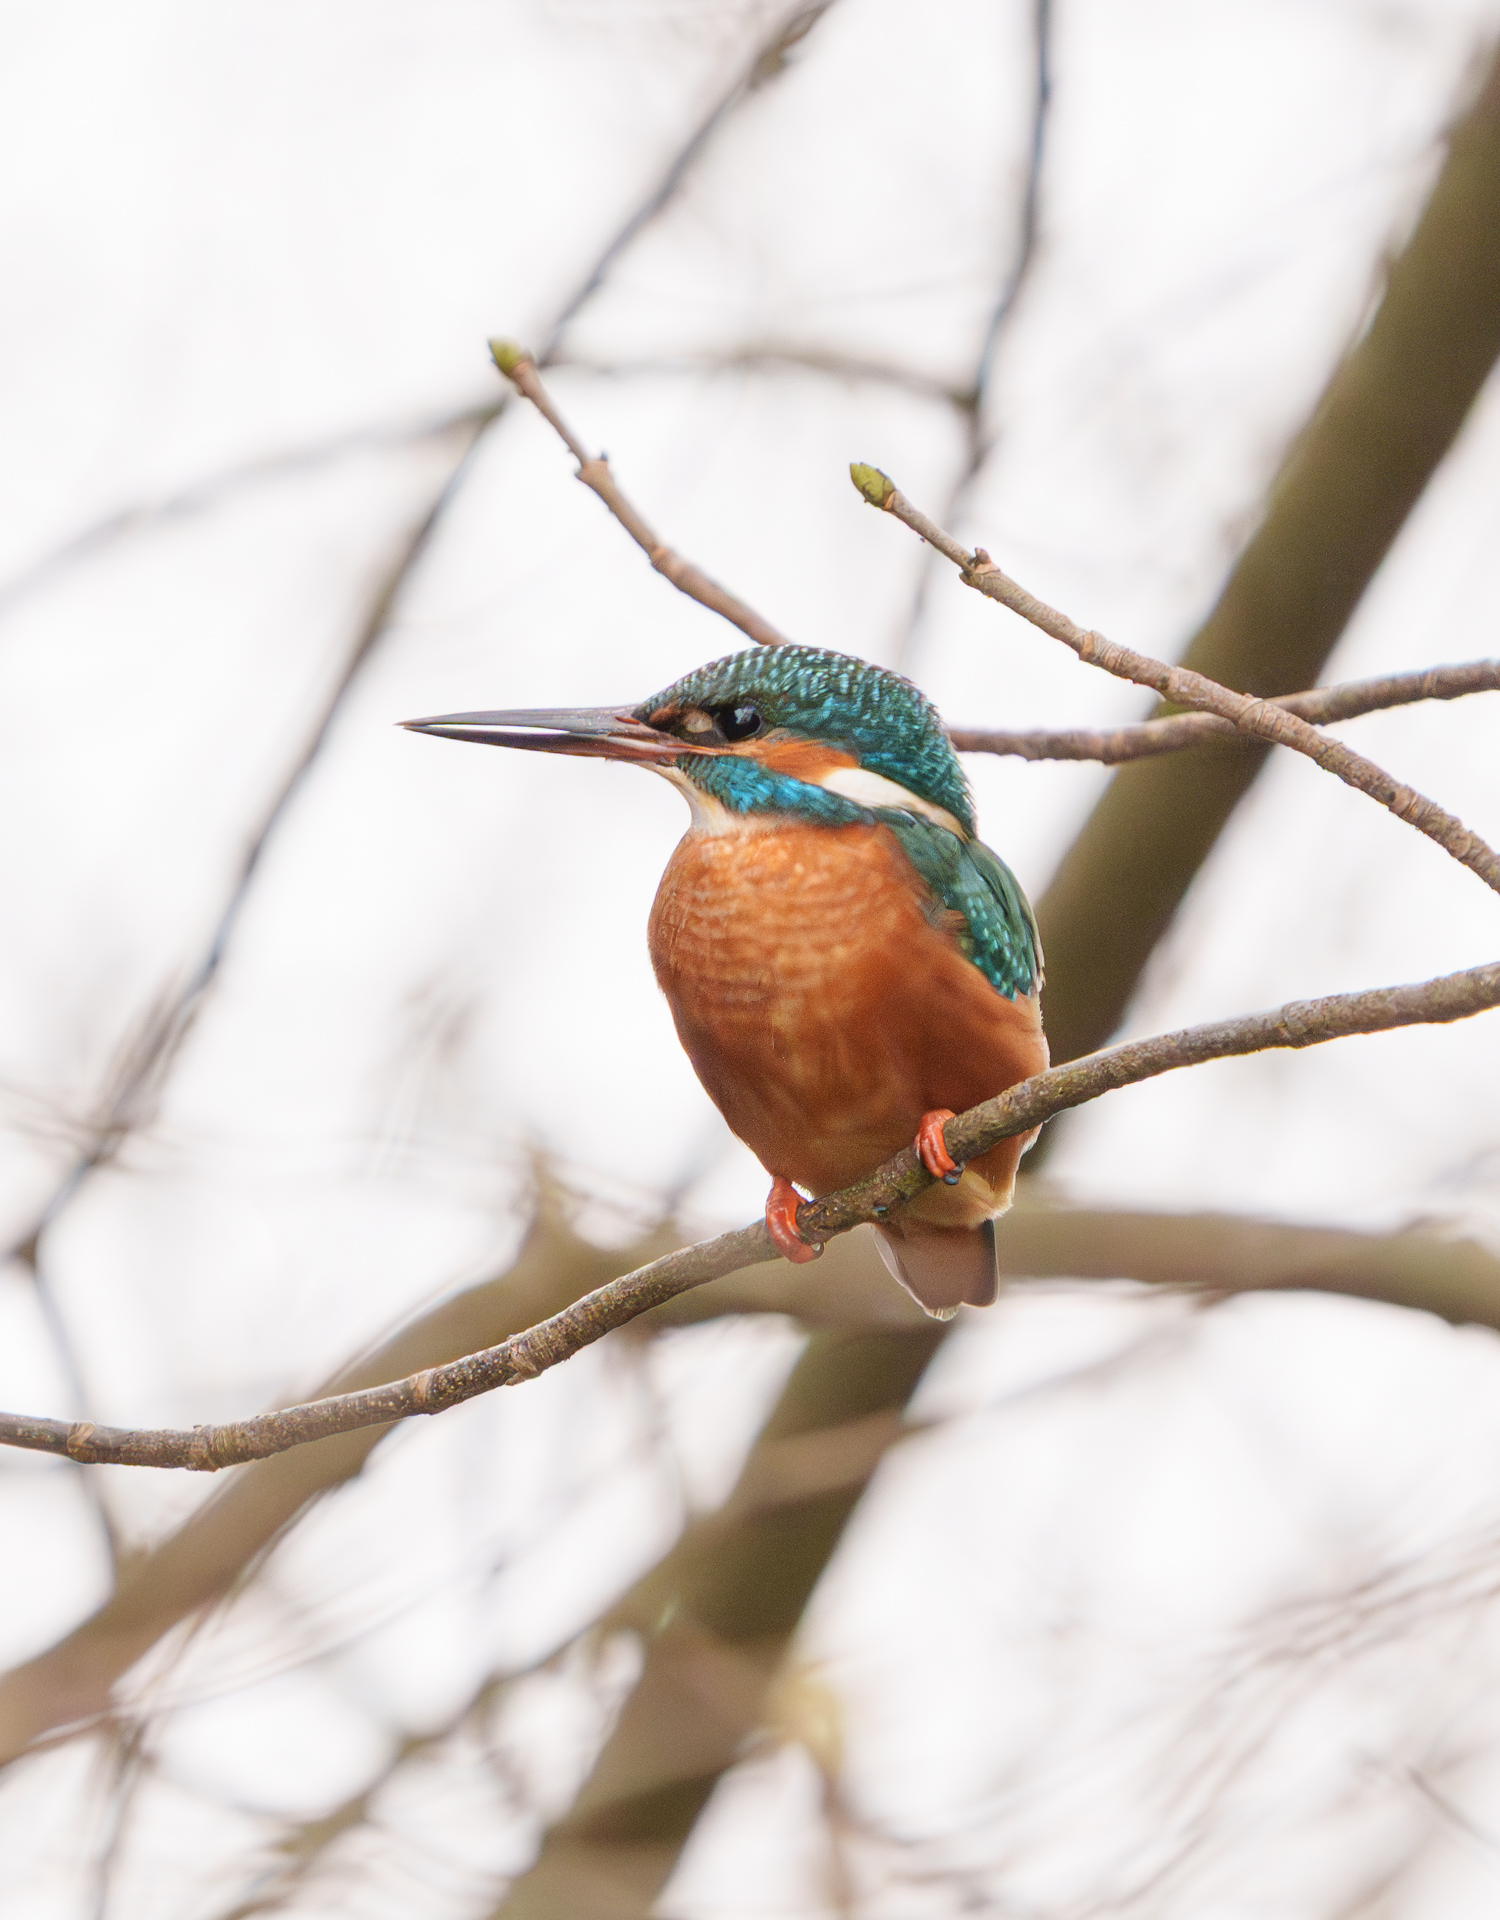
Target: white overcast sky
251, 258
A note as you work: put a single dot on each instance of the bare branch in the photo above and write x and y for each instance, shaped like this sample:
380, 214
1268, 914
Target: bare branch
593, 470
715, 1618
1030, 227
197, 496
202, 1559
1304, 1023
973, 403
1321, 707
148, 1063
768, 59
1421, 1268
1044, 1237
773, 357
1246, 713
848, 1292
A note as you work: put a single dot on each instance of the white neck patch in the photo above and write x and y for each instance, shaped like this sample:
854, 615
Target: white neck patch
859, 784
867, 789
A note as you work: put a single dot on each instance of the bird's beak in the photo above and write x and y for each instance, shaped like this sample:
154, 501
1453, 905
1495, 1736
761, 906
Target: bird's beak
603, 732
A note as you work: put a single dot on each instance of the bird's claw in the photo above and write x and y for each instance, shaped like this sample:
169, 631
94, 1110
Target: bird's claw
781, 1222
932, 1151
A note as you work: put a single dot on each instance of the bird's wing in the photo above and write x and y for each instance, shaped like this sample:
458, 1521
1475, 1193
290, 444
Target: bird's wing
966, 878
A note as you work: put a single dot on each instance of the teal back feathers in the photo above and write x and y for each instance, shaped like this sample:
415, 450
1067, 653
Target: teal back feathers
969, 879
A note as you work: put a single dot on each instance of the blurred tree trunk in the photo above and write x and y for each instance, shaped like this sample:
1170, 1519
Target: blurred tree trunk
717, 1614
1385, 421
202, 1560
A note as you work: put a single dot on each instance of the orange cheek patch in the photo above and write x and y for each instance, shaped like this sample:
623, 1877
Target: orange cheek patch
805, 760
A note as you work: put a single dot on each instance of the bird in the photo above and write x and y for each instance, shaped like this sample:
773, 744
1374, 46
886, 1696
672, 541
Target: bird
846, 963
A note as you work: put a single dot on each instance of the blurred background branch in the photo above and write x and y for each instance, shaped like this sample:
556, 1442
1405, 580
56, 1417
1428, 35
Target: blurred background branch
1268, 720
614, 1304
1391, 410
626, 1631
1321, 706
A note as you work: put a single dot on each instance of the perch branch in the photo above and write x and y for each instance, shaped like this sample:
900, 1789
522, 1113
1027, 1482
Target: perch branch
593, 470
1146, 738
1245, 712
1300, 1024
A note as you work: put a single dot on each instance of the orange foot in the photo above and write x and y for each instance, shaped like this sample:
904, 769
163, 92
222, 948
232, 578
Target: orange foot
931, 1150
781, 1222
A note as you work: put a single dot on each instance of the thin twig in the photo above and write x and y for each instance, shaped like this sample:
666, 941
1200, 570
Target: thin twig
769, 58
593, 470
1030, 226
770, 357
1146, 738
147, 1065
973, 402
1247, 713
1304, 1023
197, 496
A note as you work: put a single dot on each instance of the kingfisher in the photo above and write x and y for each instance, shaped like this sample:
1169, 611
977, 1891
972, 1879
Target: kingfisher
846, 963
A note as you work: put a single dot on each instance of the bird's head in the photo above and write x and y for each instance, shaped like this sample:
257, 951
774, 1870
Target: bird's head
772, 730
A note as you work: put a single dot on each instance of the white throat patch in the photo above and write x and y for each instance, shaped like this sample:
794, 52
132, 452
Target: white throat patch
710, 815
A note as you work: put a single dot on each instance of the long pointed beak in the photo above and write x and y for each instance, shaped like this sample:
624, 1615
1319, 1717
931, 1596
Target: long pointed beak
603, 732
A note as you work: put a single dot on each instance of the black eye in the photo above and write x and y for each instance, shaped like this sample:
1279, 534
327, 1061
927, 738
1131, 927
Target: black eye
738, 723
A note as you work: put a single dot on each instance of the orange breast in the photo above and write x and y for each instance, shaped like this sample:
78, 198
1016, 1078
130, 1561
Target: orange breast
827, 1007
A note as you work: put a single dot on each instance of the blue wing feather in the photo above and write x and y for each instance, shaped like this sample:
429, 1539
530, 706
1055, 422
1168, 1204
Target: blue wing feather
968, 879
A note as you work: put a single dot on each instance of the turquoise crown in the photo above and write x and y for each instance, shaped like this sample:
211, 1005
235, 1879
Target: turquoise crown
889, 725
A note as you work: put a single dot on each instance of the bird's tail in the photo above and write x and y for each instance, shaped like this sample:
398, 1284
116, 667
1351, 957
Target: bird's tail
942, 1268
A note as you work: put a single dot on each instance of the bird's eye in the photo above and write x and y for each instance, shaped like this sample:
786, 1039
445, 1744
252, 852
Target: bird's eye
738, 723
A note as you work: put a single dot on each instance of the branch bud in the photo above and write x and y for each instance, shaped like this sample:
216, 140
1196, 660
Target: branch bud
877, 487
507, 355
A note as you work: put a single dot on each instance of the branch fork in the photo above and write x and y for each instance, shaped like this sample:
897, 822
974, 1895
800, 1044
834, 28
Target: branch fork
1247, 713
